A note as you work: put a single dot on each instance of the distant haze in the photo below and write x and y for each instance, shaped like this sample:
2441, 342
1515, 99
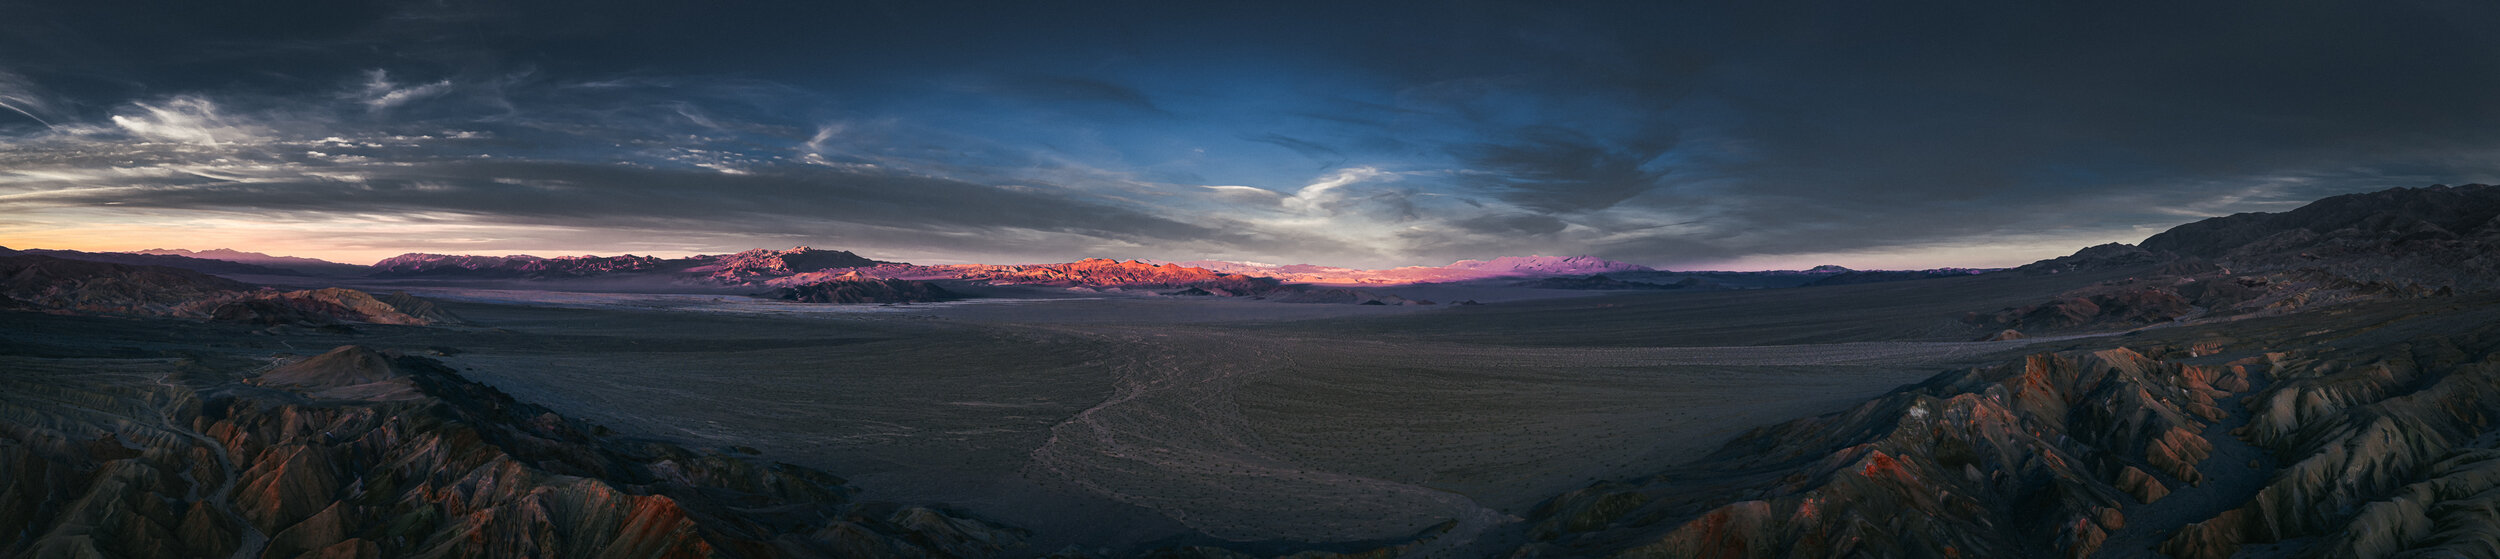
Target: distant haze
1367, 135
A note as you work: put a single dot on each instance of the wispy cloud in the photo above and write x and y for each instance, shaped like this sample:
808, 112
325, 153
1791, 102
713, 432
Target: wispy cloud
1324, 195
22, 97
187, 119
380, 93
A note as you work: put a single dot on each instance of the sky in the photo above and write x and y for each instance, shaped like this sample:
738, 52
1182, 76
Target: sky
1734, 135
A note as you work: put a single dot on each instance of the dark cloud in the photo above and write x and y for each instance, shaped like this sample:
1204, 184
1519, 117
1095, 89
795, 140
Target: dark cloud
1653, 132
571, 194
1069, 90
1561, 171
1326, 156
1513, 224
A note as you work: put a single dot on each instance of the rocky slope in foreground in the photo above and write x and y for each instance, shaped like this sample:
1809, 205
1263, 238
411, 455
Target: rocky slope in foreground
2374, 438
2334, 392
357, 453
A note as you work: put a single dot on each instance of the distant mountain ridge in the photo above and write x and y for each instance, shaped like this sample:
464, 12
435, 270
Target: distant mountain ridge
306, 265
202, 265
2432, 237
731, 269
1463, 270
1101, 273
513, 266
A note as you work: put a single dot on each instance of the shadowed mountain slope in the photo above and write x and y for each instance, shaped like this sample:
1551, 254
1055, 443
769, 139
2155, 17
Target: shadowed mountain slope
312, 266
38, 282
197, 264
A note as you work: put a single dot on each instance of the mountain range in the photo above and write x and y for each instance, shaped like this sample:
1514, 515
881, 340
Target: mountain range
2406, 235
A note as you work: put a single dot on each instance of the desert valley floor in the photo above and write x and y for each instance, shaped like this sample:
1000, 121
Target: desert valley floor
1119, 423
